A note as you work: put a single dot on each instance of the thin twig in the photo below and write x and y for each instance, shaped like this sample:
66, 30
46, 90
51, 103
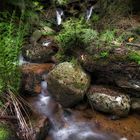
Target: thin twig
8, 118
133, 44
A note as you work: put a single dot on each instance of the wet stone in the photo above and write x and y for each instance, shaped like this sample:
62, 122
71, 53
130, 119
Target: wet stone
135, 105
108, 100
41, 126
41, 51
32, 75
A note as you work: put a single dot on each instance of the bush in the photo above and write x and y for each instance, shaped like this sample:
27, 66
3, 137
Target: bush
12, 36
75, 33
4, 133
134, 56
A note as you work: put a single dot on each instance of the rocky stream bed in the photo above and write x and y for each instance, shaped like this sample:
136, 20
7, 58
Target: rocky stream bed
96, 98
81, 122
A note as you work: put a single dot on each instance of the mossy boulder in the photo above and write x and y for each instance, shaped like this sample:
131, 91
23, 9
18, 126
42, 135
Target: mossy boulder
68, 83
40, 51
109, 101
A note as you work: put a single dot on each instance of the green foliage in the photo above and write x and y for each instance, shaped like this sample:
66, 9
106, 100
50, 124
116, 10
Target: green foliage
110, 12
107, 36
104, 54
37, 6
12, 37
74, 61
31, 17
88, 36
95, 18
62, 2
4, 133
134, 56
75, 33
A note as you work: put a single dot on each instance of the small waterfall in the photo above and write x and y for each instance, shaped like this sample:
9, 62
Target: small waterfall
21, 60
59, 14
89, 12
46, 43
64, 123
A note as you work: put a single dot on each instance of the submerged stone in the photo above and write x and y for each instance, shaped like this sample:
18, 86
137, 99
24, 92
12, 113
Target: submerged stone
68, 83
41, 126
109, 101
32, 75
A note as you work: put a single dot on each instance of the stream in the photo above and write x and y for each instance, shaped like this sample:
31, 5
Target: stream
65, 123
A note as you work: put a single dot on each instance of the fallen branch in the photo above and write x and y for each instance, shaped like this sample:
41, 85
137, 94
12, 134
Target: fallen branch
132, 44
8, 118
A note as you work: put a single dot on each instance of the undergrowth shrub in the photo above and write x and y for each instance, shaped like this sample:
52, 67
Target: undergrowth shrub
134, 56
12, 38
75, 33
111, 12
4, 132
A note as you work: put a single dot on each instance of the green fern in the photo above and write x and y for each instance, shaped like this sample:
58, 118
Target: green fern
75, 33
12, 39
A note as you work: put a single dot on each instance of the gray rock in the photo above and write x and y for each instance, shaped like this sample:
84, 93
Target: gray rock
36, 35
135, 104
68, 83
109, 101
43, 51
41, 127
47, 30
132, 85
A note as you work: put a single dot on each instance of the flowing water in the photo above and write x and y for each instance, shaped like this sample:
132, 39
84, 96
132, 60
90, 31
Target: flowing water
89, 12
59, 14
22, 60
64, 125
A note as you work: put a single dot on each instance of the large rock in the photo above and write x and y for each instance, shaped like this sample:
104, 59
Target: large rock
135, 105
68, 83
41, 51
37, 34
109, 101
32, 75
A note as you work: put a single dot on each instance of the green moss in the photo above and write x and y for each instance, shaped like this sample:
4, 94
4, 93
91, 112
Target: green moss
80, 86
95, 18
61, 2
104, 54
4, 132
134, 56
